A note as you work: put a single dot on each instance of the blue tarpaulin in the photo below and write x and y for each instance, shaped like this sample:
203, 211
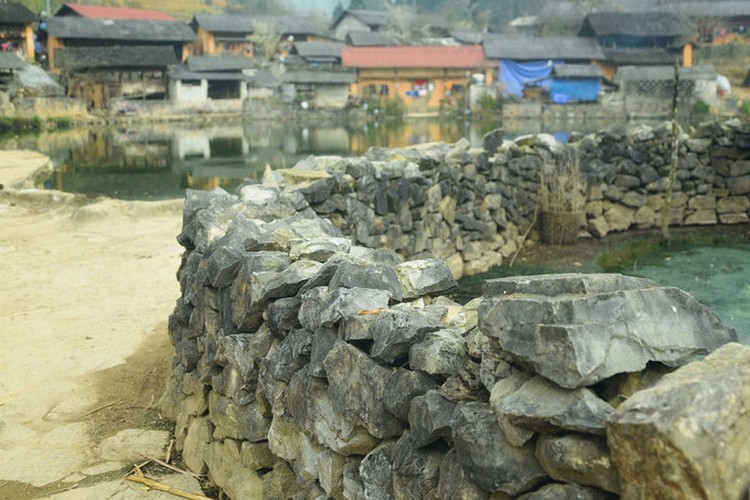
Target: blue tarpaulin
513, 74
567, 90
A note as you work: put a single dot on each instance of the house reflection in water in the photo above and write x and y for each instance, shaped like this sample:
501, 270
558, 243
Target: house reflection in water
161, 161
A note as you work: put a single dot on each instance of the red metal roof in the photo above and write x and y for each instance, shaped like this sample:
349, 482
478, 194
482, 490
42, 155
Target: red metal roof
102, 12
463, 56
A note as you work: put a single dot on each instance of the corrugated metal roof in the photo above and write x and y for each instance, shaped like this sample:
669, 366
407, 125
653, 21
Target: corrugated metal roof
369, 39
642, 24
219, 63
71, 58
318, 49
119, 29
530, 48
15, 13
320, 77
9, 60
465, 56
577, 71
105, 12
700, 72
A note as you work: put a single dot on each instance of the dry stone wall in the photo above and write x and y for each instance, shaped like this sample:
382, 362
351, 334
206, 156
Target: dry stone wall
312, 360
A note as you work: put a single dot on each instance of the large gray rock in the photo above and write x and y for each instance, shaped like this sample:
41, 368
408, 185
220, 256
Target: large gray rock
234, 421
560, 491
347, 302
579, 329
415, 470
542, 406
357, 388
453, 483
486, 456
396, 330
376, 473
689, 435
430, 418
425, 277
580, 459
356, 273
403, 386
440, 353
318, 249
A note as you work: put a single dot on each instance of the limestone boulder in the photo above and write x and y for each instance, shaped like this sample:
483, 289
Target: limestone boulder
692, 429
578, 458
577, 330
425, 277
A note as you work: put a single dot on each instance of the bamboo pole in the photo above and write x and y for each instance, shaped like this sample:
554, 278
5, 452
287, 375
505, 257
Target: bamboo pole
667, 206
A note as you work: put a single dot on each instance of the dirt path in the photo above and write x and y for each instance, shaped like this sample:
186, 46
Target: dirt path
85, 295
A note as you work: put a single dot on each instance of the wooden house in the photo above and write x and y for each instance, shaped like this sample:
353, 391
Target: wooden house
422, 77
353, 20
229, 34
521, 59
100, 75
16, 33
85, 33
639, 36
718, 22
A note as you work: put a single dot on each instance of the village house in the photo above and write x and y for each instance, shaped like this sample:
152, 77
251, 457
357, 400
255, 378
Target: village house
205, 78
69, 31
318, 53
229, 34
718, 23
16, 33
523, 59
639, 38
424, 78
354, 20
100, 75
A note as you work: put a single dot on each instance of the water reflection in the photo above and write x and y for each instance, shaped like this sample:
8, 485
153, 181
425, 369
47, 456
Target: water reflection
160, 161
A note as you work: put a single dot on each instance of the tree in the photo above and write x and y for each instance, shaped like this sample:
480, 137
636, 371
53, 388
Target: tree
265, 40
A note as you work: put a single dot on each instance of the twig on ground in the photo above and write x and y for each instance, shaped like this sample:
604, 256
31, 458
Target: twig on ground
168, 454
525, 235
138, 477
172, 467
103, 407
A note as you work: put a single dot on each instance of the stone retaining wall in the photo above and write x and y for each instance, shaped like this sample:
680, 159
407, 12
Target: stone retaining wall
311, 364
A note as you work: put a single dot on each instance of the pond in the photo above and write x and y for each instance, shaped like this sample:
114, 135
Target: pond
712, 264
160, 161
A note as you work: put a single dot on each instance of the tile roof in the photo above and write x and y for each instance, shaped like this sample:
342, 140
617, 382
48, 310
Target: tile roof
698, 72
15, 13
369, 39
643, 24
219, 63
318, 49
465, 56
114, 57
530, 48
119, 29
105, 12
285, 25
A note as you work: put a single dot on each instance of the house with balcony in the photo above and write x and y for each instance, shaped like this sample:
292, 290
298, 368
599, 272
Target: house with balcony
425, 78
229, 34
89, 33
355, 20
640, 38
16, 32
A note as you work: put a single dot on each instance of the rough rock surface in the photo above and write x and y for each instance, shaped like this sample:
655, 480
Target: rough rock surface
689, 435
578, 330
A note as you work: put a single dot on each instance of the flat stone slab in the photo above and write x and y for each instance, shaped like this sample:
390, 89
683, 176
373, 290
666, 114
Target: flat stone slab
577, 330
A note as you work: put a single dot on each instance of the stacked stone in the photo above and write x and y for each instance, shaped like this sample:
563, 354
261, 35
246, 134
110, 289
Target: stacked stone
628, 174
306, 366
432, 201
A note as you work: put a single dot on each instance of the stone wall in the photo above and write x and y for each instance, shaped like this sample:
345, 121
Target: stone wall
313, 360
309, 367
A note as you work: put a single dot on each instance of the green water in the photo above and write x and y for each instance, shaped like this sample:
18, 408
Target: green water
716, 273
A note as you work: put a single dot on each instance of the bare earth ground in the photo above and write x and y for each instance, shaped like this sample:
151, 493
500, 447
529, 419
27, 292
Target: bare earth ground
84, 296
